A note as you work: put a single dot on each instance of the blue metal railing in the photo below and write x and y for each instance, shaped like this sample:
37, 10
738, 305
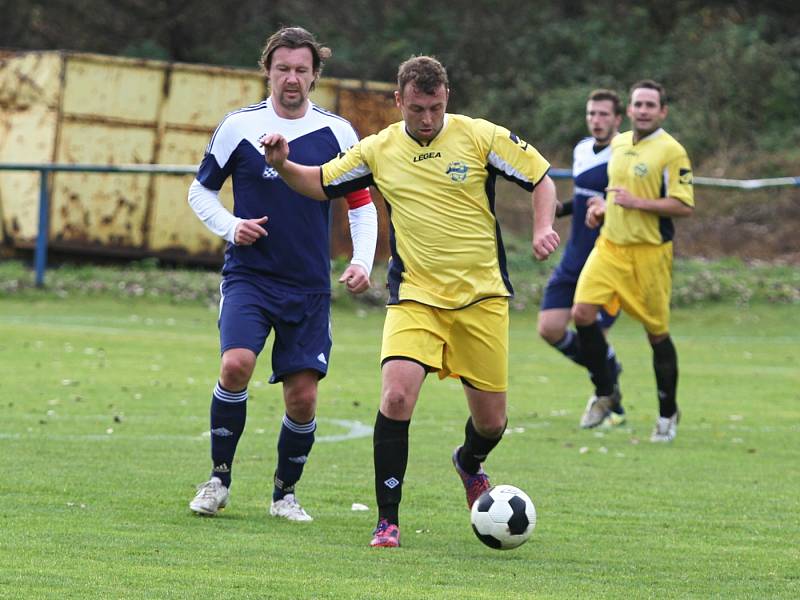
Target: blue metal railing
44, 169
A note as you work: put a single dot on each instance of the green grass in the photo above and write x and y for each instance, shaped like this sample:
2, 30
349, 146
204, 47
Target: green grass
104, 405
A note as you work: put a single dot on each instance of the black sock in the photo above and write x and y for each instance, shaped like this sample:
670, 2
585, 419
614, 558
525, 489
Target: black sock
475, 449
390, 446
595, 353
294, 444
228, 415
570, 347
665, 364
613, 365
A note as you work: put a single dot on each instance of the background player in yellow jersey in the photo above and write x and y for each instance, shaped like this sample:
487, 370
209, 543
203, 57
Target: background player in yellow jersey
650, 181
449, 287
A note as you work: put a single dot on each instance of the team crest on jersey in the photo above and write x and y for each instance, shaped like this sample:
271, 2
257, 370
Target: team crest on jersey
640, 170
685, 176
269, 173
457, 171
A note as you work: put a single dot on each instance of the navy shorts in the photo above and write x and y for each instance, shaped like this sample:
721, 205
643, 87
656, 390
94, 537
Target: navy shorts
560, 291
249, 310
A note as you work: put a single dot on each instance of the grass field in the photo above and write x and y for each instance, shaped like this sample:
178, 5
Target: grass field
103, 419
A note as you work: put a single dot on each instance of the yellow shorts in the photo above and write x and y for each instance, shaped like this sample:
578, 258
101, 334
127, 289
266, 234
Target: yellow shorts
469, 343
638, 276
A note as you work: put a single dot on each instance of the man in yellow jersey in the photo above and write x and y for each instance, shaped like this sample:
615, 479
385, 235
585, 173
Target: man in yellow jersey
448, 282
650, 182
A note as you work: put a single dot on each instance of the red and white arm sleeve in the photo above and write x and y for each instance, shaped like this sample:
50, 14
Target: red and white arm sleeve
363, 227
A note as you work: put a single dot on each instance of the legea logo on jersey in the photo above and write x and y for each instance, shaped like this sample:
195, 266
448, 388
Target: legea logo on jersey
269, 173
457, 171
640, 170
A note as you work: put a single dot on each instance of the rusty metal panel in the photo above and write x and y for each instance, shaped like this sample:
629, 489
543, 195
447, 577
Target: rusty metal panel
201, 98
91, 209
29, 90
104, 87
174, 229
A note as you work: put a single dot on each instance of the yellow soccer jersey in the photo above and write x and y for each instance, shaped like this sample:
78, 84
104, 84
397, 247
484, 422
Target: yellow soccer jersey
655, 167
446, 246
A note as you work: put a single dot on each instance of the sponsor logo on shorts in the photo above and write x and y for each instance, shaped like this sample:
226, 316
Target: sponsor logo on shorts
321, 358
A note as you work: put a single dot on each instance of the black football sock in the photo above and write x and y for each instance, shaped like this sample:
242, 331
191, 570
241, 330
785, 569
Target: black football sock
595, 353
390, 447
665, 365
294, 445
475, 449
228, 416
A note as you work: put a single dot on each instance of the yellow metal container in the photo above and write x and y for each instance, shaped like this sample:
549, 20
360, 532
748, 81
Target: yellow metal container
80, 108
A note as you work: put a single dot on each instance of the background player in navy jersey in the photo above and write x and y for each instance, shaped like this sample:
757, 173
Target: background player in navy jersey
589, 172
278, 282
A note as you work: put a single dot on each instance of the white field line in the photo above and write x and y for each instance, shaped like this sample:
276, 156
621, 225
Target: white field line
352, 430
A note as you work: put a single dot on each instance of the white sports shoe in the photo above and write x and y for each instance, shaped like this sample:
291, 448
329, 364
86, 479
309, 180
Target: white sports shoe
599, 407
289, 508
666, 428
211, 497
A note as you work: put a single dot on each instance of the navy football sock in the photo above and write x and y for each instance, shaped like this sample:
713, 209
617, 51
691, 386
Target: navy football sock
228, 416
569, 346
294, 445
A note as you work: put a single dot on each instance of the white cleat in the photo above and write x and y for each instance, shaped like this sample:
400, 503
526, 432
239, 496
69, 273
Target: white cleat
666, 428
599, 407
289, 508
211, 497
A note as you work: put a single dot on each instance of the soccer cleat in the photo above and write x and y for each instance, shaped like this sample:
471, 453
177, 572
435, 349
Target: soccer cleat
385, 535
616, 418
211, 497
289, 508
475, 484
599, 407
666, 428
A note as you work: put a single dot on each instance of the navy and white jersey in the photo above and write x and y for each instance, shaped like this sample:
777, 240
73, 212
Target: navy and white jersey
296, 252
590, 177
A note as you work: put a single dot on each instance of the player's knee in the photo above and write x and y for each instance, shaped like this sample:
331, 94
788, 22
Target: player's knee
491, 426
396, 401
301, 402
549, 332
237, 368
584, 314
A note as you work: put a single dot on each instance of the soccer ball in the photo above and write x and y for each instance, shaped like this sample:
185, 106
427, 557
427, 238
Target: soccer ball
503, 517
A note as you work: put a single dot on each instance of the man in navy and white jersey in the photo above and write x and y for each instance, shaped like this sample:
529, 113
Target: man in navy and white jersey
277, 281
590, 176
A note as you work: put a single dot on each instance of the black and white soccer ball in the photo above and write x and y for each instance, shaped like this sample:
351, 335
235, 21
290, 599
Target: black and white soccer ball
503, 517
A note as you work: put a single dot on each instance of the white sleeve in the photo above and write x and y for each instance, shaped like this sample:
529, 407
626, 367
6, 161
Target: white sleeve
364, 233
206, 205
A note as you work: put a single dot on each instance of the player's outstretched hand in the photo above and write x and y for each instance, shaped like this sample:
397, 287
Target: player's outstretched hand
595, 212
248, 231
545, 243
356, 279
276, 148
